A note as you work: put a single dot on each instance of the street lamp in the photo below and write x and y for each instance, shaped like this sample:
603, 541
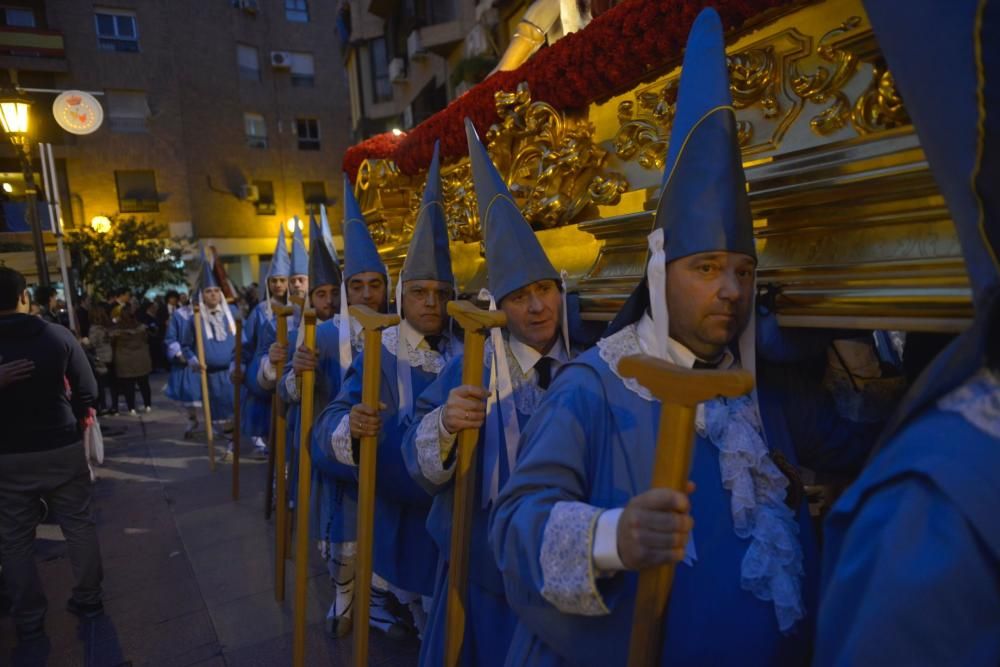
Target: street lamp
100, 224
14, 116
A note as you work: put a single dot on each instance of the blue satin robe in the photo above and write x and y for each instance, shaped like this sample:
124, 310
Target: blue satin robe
404, 553
592, 441
218, 357
326, 521
259, 333
182, 385
489, 619
911, 570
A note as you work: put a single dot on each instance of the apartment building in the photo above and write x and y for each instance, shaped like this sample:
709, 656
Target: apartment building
406, 59
222, 118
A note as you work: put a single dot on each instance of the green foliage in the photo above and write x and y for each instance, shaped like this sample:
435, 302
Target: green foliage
135, 253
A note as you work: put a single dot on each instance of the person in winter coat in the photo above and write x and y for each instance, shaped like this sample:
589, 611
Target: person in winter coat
131, 359
98, 345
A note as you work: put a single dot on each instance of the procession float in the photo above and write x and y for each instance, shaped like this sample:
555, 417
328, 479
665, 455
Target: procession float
852, 231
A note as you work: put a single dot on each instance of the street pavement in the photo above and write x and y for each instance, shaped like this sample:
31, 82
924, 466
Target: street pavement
188, 572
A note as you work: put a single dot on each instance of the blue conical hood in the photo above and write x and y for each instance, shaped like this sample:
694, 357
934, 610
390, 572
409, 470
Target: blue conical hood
360, 253
514, 257
206, 276
323, 269
703, 204
940, 57
300, 257
429, 256
281, 265
328, 233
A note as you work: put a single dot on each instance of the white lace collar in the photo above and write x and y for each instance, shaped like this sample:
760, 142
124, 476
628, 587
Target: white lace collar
425, 358
978, 401
527, 394
357, 333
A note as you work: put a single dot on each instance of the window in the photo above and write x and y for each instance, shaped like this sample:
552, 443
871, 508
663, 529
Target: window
248, 61
381, 86
256, 130
128, 111
137, 191
313, 194
265, 198
18, 17
116, 31
297, 10
307, 130
303, 70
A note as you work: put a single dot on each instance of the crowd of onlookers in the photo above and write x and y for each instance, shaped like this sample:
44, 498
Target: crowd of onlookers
123, 337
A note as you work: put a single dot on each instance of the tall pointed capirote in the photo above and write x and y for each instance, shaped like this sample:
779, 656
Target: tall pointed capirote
323, 268
429, 256
300, 256
514, 257
360, 253
281, 264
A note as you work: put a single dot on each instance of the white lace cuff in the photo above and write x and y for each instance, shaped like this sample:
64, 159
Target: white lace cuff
430, 445
606, 556
340, 441
266, 376
567, 560
292, 387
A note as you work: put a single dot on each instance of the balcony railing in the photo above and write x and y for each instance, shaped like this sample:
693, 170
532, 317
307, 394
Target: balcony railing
32, 42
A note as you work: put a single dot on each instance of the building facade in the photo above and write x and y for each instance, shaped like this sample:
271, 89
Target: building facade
406, 59
222, 119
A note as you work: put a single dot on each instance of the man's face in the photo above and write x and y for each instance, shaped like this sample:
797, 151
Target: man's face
212, 296
533, 314
425, 304
366, 289
278, 286
709, 296
299, 285
172, 300
324, 301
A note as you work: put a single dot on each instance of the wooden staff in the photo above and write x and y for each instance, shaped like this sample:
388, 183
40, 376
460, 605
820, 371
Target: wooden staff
679, 391
302, 503
373, 324
476, 323
206, 402
277, 455
237, 384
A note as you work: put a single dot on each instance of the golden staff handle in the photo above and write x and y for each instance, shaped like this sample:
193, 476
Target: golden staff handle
280, 455
476, 323
373, 324
199, 344
302, 502
237, 383
679, 391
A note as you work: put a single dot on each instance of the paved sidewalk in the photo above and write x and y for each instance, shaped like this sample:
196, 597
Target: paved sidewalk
188, 572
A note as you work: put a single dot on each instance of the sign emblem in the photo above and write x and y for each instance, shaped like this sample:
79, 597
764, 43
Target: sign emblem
78, 112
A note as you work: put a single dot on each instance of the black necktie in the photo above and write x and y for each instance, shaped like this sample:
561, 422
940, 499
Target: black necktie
434, 342
543, 367
704, 365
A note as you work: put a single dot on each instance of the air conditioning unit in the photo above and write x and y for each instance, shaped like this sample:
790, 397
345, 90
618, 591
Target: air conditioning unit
249, 193
397, 70
249, 6
281, 60
415, 46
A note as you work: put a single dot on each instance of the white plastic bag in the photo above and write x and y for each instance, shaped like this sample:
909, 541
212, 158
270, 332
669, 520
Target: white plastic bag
94, 442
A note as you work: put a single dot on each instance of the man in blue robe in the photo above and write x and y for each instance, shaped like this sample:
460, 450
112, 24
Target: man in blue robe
218, 328
911, 570
182, 384
333, 503
413, 353
577, 518
520, 366
259, 332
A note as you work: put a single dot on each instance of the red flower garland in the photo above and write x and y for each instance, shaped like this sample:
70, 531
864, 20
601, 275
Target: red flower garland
618, 49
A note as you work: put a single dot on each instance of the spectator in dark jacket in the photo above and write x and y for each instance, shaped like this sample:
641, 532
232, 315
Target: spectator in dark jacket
131, 359
41, 456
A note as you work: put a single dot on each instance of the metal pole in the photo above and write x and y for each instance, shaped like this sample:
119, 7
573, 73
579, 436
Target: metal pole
30, 196
51, 185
